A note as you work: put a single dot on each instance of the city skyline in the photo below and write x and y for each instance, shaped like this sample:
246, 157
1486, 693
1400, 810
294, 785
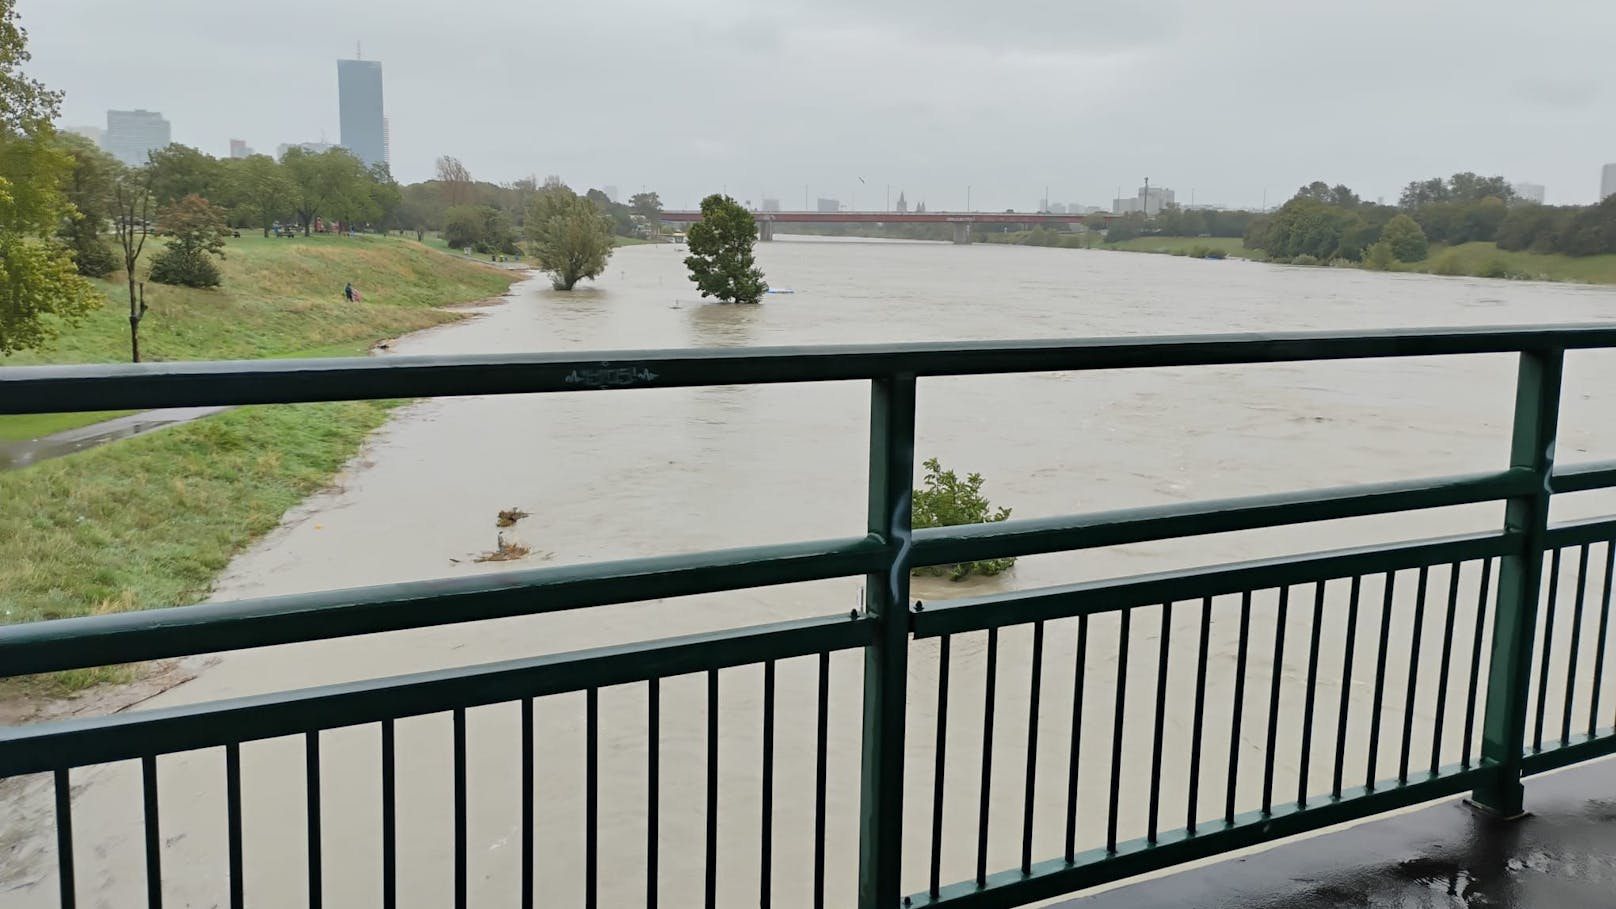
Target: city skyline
1110, 71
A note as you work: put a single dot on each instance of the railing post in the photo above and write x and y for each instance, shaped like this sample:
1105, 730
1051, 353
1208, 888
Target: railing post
886, 662
1520, 574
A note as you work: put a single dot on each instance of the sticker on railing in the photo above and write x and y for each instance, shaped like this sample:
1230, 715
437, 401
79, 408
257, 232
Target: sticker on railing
608, 376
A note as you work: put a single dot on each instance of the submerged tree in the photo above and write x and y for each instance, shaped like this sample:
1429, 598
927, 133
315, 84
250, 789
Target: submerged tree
721, 261
944, 500
567, 236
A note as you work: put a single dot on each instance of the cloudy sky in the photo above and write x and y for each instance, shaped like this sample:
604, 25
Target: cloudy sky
784, 98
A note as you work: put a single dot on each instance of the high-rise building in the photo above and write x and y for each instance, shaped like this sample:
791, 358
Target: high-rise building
1607, 182
828, 205
387, 141
94, 133
771, 204
239, 148
1528, 192
359, 96
1150, 200
133, 134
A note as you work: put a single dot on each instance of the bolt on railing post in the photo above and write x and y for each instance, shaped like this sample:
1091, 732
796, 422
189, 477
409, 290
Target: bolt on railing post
1520, 575
886, 662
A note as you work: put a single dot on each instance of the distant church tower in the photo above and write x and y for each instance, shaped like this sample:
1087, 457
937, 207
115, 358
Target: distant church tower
903, 204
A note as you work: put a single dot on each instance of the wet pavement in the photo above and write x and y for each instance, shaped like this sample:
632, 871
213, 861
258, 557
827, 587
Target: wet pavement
1561, 856
14, 455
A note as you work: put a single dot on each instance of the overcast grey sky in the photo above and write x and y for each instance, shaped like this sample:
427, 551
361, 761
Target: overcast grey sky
1227, 98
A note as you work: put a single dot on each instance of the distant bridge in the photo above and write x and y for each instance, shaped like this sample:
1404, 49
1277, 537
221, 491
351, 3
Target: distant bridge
962, 220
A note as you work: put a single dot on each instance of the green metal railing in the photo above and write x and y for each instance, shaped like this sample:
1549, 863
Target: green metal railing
1504, 728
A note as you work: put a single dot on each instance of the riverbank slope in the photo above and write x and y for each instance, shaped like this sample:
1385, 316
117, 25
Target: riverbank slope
149, 521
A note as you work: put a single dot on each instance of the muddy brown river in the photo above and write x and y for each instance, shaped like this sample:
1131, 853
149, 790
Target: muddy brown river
645, 472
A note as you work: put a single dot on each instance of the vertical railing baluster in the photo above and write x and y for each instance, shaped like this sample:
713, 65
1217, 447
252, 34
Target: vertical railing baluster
1161, 721
1116, 732
527, 820
1546, 651
1576, 643
591, 798
1537, 418
1466, 758
886, 660
1239, 709
389, 781
766, 822
990, 683
154, 836
940, 766
1075, 755
1599, 646
1346, 686
232, 813
1440, 709
1310, 694
653, 787
1278, 664
1035, 687
1198, 723
64, 839
1413, 674
820, 742
712, 789
461, 859
1379, 701
311, 756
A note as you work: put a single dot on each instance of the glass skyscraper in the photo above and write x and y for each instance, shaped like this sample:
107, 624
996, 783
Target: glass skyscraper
359, 93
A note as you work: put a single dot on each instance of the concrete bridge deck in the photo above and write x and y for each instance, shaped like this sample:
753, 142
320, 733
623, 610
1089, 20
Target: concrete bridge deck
1562, 856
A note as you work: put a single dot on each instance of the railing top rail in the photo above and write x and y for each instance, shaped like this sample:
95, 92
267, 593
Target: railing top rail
49, 389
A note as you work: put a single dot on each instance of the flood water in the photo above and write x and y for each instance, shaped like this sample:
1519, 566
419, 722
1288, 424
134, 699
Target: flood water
621, 474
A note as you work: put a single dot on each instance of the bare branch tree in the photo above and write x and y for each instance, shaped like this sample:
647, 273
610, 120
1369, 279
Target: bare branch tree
132, 200
454, 181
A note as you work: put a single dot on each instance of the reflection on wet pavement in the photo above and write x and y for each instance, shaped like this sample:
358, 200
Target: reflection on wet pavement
14, 455
1561, 856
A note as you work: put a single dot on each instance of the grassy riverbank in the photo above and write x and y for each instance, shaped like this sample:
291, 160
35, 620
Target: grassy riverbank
1232, 247
149, 521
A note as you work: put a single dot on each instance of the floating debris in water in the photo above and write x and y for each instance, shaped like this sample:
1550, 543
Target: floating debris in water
506, 551
509, 517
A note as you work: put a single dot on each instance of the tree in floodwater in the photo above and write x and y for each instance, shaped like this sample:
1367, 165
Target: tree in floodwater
944, 500
567, 236
720, 260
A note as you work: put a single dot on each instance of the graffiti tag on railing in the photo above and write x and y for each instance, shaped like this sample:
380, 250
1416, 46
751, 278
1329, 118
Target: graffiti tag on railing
610, 376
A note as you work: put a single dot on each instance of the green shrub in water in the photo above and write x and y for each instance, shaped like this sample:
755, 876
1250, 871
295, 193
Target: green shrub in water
944, 500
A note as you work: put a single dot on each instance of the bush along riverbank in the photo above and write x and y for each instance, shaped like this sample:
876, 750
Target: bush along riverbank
150, 521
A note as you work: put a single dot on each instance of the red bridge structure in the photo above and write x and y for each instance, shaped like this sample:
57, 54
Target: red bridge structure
962, 220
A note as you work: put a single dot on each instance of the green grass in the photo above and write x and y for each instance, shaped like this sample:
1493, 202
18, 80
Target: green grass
1231, 246
1487, 260
149, 521
32, 426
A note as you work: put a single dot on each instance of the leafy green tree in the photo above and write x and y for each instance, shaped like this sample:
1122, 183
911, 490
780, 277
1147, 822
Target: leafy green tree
1534, 227
647, 206
1379, 257
568, 236
1591, 231
196, 233
1306, 226
323, 181
1406, 239
259, 187
179, 170
480, 228
88, 187
721, 261
944, 500
40, 287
